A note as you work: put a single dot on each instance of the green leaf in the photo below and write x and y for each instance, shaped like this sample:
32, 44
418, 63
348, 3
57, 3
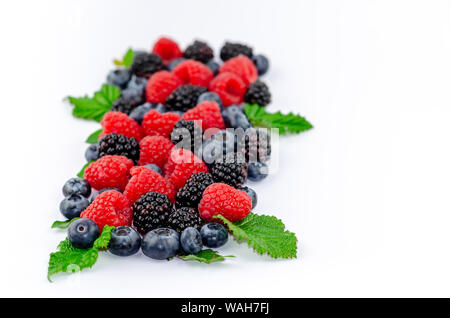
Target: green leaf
103, 240
286, 123
205, 256
62, 224
95, 107
81, 173
93, 138
266, 234
127, 59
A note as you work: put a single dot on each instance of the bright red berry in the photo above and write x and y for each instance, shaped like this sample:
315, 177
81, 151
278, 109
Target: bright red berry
157, 124
229, 87
144, 180
121, 124
155, 149
243, 67
167, 50
220, 198
194, 73
109, 172
109, 208
207, 115
160, 86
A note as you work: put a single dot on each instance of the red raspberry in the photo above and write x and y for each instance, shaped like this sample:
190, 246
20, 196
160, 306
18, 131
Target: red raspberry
229, 87
144, 180
220, 198
155, 149
157, 124
167, 50
207, 115
193, 72
121, 124
109, 172
160, 86
109, 208
243, 67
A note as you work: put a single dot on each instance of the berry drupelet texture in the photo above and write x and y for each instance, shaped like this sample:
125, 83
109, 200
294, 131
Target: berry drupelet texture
230, 50
151, 211
186, 134
114, 144
191, 194
232, 170
183, 218
145, 64
184, 97
258, 93
199, 51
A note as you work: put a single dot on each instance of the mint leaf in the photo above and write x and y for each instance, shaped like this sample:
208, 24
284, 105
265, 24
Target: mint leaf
103, 240
93, 138
65, 245
286, 123
62, 224
127, 59
81, 173
205, 256
266, 234
95, 107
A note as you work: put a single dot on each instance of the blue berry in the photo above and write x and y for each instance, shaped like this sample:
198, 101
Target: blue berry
118, 78
191, 240
72, 206
82, 233
174, 63
154, 168
77, 186
138, 83
234, 117
252, 194
91, 153
161, 243
210, 96
228, 139
213, 66
211, 151
125, 241
103, 190
133, 96
257, 171
262, 64
139, 112
214, 234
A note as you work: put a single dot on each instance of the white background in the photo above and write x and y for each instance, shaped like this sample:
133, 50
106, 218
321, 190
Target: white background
366, 191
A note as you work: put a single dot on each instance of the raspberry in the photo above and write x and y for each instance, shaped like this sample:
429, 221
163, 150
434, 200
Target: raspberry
199, 51
113, 144
151, 211
225, 200
258, 93
243, 67
185, 97
109, 208
183, 218
109, 172
155, 149
167, 50
193, 72
192, 192
230, 50
157, 124
146, 64
186, 134
121, 124
160, 86
207, 115
231, 170
229, 87
144, 180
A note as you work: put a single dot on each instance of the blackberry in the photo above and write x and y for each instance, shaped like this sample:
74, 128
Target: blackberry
258, 93
199, 51
151, 211
186, 134
191, 194
230, 50
183, 218
257, 145
232, 170
185, 97
145, 64
114, 144
125, 105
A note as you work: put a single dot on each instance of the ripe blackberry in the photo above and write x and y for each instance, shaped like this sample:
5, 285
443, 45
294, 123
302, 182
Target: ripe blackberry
230, 50
114, 144
183, 218
126, 105
191, 194
185, 97
257, 145
258, 93
185, 130
199, 51
231, 170
145, 64
151, 211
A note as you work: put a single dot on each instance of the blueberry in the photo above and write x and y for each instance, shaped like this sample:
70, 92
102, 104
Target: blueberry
178, 112
213, 66
234, 117
214, 234
257, 171
91, 153
77, 186
125, 241
161, 243
139, 112
133, 96
82, 233
262, 63
252, 194
191, 240
211, 151
103, 190
154, 168
119, 77
210, 96
228, 139
138, 83
72, 206
174, 63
